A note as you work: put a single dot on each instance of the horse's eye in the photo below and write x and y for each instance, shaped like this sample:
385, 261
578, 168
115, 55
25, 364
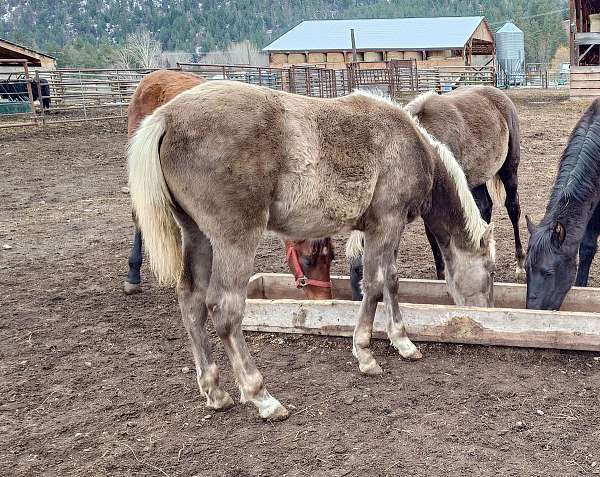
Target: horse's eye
546, 273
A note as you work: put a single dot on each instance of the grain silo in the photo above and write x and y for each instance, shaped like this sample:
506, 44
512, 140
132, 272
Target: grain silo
510, 49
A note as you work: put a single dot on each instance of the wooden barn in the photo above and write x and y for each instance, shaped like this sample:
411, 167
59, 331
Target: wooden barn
441, 41
13, 55
584, 39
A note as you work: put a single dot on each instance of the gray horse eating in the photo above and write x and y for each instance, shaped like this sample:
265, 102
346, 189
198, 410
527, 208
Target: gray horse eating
216, 167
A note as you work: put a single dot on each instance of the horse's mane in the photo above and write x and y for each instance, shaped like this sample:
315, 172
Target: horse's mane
577, 178
579, 170
317, 248
474, 224
416, 105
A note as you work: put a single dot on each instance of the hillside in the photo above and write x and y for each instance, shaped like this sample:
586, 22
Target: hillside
85, 31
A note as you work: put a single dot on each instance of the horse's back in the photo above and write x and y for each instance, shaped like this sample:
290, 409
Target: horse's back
473, 121
154, 90
307, 160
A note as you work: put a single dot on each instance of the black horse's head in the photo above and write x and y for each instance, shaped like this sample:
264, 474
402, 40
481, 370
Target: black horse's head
551, 265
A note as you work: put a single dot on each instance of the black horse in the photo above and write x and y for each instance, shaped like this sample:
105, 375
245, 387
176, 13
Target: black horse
571, 222
16, 90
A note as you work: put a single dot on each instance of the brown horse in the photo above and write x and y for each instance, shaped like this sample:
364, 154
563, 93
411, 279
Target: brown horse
309, 260
213, 169
480, 125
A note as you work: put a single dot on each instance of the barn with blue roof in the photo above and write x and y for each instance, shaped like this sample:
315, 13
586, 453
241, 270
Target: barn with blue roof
434, 41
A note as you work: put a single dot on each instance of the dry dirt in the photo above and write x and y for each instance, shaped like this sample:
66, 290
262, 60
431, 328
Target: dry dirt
91, 381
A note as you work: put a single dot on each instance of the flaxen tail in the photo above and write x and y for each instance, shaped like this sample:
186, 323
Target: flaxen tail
496, 190
355, 246
152, 200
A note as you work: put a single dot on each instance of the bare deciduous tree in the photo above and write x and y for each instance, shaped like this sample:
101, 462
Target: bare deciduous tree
242, 53
169, 59
140, 50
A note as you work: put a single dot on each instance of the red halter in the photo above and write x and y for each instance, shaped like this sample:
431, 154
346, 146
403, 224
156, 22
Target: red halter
301, 279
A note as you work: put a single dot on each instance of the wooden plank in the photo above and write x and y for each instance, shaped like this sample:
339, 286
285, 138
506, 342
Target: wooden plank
585, 92
446, 324
585, 77
582, 84
434, 292
587, 38
585, 69
256, 287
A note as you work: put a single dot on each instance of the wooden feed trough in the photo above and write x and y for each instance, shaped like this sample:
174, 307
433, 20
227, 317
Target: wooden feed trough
275, 305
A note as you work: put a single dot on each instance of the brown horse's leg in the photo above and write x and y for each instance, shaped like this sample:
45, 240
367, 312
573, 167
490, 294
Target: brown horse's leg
197, 259
438, 258
508, 176
233, 263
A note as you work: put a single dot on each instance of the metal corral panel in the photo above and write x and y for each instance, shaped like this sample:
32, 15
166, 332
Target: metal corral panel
410, 34
510, 49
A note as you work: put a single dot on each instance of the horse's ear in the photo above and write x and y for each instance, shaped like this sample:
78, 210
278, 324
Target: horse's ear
530, 225
559, 233
488, 237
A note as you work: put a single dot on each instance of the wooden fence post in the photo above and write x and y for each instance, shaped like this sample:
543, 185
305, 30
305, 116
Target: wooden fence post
29, 91
40, 96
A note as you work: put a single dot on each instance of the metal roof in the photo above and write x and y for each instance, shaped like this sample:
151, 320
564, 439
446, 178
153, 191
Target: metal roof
510, 27
4, 40
411, 34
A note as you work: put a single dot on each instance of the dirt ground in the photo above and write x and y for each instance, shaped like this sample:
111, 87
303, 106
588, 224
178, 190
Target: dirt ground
91, 381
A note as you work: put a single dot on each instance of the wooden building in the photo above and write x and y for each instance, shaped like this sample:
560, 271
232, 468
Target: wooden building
439, 41
584, 40
35, 60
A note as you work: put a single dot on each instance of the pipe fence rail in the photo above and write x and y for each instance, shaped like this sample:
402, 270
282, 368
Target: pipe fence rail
45, 97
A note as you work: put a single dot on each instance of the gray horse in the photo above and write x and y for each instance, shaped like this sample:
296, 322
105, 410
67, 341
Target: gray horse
480, 125
213, 169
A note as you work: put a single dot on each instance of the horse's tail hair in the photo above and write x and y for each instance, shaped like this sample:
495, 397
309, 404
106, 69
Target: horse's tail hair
496, 190
355, 246
152, 200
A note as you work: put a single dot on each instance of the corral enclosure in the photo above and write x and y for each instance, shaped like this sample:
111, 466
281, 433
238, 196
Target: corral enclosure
92, 380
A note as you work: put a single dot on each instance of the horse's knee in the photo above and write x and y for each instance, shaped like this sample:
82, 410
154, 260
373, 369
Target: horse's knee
391, 280
227, 311
185, 287
513, 207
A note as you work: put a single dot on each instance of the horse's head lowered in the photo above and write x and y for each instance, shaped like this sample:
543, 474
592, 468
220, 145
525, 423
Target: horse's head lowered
470, 272
310, 262
550, 265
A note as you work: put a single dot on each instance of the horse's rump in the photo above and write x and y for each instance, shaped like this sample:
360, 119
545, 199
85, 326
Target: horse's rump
154, 90
474, 122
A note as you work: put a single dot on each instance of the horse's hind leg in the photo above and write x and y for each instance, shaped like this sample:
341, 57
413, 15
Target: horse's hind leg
508, 176
356, 276
191, 291
588, 249
483, 201
380, 278
233, 263
132, 285
438, 258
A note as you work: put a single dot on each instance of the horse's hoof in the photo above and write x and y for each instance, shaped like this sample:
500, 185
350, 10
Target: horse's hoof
273, 410
132, 288
414, 356
371, 368
407, 348
221, 402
